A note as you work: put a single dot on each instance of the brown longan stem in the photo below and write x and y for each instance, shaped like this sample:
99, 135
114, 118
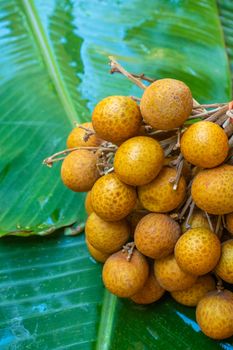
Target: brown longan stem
168, 141
204, 114
217, 114
209, 221
135, 98
211, 105
52, 159
169, 149
192, 206
115, 66
185, 207
178, 175
128, 248
88, 133
218, 224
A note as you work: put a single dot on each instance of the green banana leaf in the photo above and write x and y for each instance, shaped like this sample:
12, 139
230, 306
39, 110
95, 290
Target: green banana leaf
53, 69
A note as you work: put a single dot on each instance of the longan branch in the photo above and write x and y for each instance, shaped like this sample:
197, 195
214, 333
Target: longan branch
185, 207
115, 66
192, 206
55, 157
89, 132
128, 248
178, 175
211, 105
141, 76
209, 221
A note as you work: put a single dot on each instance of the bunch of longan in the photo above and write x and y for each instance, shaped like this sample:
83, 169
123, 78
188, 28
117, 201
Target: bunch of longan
160, 200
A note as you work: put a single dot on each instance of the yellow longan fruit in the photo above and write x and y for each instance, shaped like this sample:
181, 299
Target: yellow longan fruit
170, 276
198, 251
159, 196
116, 118
97, 254
125, 278
150, 292
214, 314
79, 171
88, 204
204, 144
191, 296
156, 235
108, 237
76, 137
212, 190
224, 269
111, 199
229, 223
166, 104
138, 160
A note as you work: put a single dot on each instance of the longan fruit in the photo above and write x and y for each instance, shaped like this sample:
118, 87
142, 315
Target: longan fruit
197, 219
159, 196
224, 269
79, 171
229, 223
198, 251
191, 296
111, 199
138, 160
170, 276
212, 190
106, 236
156, 235
96, 254
116, 118
214, 314
150, 292
166, 104
125, 278
88, 204
204, 144
76, 138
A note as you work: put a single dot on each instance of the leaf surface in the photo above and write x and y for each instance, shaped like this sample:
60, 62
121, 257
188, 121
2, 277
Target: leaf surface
53, 69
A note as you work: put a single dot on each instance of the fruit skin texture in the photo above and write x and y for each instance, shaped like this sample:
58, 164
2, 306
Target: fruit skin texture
214, 314
79, 171
111, 199
170, 276
191, 296
108, 237
166, 104
198, 251
156, 235
198, 219
150, 292
76, 137
138, 160
229, 223
224, 269
96, 254
116, 118
212, 190
88, 205
125, 278
204, 144
159, 196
